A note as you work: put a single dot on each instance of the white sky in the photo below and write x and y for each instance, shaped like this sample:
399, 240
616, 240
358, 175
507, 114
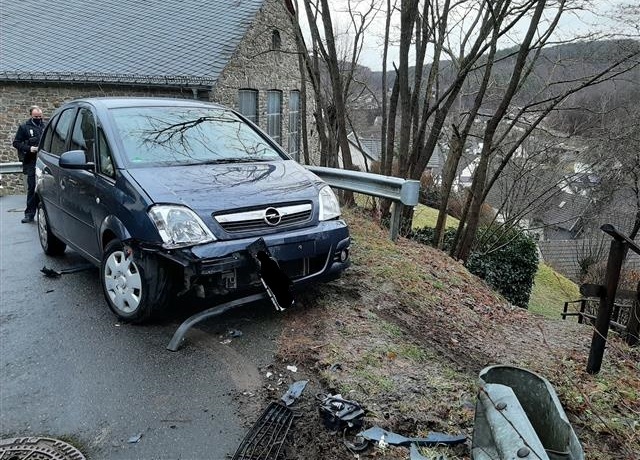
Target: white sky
574, 23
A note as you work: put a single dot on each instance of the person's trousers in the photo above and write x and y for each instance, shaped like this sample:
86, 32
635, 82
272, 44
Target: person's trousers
30, 172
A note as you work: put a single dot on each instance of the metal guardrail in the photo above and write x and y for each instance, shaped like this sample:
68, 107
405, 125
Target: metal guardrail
11, 168
402, 192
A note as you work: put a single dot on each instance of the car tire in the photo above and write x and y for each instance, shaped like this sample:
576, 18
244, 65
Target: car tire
135, 290
51, 244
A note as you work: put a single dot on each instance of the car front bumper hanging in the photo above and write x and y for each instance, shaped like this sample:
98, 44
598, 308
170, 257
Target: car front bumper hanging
276, 283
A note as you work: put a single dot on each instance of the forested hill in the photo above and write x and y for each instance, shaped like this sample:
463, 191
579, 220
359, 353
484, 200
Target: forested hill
556, 68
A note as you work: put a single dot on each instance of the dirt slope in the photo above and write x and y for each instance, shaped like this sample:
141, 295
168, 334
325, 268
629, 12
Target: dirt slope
406, 331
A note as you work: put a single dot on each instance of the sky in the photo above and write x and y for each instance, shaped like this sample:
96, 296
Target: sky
601, 17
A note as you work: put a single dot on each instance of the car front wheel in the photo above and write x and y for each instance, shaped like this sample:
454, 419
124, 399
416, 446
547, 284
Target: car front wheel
135, 290
51, 244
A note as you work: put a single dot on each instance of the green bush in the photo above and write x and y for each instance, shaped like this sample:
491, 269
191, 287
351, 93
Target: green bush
506, 261
425, 235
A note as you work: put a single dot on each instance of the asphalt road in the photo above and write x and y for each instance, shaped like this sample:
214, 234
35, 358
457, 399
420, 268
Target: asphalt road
70, 370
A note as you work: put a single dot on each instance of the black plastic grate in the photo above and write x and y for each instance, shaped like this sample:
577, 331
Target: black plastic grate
266, 438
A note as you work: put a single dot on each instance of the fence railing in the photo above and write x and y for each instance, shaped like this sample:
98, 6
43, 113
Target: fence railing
11, 168
402, 192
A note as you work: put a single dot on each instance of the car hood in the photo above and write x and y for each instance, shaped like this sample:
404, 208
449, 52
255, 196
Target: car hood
211, 188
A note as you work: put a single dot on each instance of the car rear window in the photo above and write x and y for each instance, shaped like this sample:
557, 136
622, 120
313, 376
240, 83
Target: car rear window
154, 136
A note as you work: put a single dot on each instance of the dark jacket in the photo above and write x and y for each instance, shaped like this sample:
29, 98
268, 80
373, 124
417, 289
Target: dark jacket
28, 135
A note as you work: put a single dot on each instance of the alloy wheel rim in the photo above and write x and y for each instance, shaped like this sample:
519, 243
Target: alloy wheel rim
123, 282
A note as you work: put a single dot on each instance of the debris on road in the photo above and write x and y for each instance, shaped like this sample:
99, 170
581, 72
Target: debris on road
266, 438
234, 333
294, 392
52, 273
376, 433
338, 413
134, 439
292, 368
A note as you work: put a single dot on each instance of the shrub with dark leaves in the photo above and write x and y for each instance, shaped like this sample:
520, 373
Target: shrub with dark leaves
507, 261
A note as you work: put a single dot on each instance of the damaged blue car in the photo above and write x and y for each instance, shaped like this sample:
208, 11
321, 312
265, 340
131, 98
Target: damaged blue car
166, 196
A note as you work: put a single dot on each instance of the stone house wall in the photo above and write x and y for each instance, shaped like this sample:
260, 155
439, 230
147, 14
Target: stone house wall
16, 98
254, 65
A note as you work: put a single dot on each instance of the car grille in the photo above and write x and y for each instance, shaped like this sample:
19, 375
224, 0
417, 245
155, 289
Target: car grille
265, 218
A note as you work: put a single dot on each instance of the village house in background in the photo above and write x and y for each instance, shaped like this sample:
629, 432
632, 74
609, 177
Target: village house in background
240, 54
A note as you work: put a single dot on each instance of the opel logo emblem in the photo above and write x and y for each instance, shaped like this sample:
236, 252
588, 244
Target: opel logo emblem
272, 217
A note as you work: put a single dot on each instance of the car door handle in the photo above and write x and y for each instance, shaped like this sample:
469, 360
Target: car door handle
46, 170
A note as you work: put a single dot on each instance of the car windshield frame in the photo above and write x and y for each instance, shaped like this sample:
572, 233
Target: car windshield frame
156, 136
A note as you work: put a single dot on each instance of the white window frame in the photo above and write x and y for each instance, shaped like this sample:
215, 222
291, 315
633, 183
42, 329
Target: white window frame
274, 115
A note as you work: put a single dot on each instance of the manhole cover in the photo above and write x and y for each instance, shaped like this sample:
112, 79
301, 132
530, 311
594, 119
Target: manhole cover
38, 449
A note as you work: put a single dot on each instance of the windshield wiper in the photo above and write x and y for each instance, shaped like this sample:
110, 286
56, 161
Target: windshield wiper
234, 160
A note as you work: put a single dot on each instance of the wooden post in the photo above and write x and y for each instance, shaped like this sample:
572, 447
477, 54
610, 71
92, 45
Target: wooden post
632, 335
617, 252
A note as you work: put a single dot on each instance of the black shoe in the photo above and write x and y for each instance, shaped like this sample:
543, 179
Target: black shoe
27, 219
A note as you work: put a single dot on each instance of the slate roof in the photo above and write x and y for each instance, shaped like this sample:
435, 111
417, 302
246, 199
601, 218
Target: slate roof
564, 210
137, 41
563, 255
370, 146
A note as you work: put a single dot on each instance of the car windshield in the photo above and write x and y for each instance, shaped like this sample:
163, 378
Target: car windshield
153, 136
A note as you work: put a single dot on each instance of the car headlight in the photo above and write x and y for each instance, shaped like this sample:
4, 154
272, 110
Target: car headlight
179, 226
329, 206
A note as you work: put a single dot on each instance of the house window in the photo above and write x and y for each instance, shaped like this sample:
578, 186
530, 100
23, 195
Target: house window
248, 104
274, 115
294, 124
276, 41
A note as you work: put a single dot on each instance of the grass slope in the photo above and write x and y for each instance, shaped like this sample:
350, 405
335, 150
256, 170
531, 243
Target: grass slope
550, 291
405, 332
424, 216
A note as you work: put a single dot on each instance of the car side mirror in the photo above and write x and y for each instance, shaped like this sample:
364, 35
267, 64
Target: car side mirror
75, 159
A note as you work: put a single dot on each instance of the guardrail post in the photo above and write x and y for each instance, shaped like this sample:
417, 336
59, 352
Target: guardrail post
396, 218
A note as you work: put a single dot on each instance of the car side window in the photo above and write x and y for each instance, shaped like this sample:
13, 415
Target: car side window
48, 134
61, 132
106, 158
83, 136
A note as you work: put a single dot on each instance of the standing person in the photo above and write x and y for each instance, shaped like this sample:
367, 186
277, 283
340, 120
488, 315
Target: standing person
26, 142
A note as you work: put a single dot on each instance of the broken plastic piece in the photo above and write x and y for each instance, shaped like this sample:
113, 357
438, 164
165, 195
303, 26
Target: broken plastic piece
51, 273
376, 433
266, 438
274, 279
338, 413
135, 439
294, 392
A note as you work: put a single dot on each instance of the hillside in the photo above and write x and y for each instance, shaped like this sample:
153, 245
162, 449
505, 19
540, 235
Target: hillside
406, 331
563, 62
